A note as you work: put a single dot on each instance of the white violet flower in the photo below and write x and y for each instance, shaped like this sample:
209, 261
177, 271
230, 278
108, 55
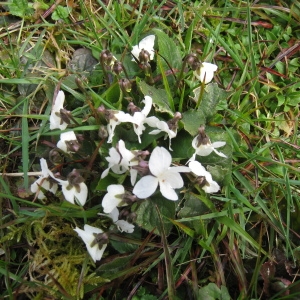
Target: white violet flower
72, 192
203, 146
140, 117
122, 225
88, 236
120, 160
55, 118
161, 126
43, 181
113, 198
147, 44
205, 150
115, 119
168, 178
74, 188
68, 142
206, 72
209, 185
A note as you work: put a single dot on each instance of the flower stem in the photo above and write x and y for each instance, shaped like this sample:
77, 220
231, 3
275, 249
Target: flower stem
200, 95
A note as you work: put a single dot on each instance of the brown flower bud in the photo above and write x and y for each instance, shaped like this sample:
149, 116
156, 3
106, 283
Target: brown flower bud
106, 58
125, 85
202, 138
72, 146
144, 56
102, 133
55, 157
65, 116
100, 239
173, 123
132, 108
75, 178
118, 67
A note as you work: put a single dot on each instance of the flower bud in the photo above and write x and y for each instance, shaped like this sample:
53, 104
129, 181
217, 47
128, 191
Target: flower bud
141, 155
101, 109
128, 216
102, 133
173, 123
142, 168
72, 146
118, 67
55, 157
202, 138
80, 85
75, 178
144, 56
106, 58
132, 108
201, 181
100, 239
131, 217
146, 67
128, 198
193, 61
124, 214
65, 116
125, 85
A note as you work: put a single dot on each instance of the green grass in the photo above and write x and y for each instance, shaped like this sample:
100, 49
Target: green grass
240, 243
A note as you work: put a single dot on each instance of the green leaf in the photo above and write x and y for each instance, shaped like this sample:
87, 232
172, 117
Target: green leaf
61, 12
81, 64
82, 60
192, 207
19, 8
126, 247
221, 174
159, 97
113, 268
166, 83
212, 292
182, 146
35, 59
143, 294
192, 120
211, 97
113, 94
168, 50
147, 216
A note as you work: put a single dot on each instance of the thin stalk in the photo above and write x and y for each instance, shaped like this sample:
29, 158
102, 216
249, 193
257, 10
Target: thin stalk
168, 261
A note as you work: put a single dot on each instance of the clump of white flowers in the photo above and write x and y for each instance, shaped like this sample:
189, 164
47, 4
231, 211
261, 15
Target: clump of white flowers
150, 172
